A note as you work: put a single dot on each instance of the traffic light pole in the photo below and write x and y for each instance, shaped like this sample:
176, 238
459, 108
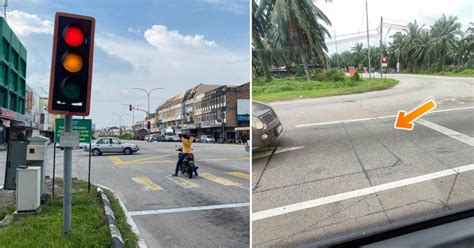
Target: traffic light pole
67, 204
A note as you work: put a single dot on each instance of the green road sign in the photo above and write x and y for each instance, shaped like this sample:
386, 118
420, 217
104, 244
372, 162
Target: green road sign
82, 126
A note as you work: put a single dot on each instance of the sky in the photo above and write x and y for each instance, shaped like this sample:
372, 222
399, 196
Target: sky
349, 16
141, 43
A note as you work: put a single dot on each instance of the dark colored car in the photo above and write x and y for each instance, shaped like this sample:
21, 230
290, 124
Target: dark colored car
266, 126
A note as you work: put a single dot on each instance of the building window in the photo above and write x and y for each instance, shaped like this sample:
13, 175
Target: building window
3, 99
5, 48
12, 102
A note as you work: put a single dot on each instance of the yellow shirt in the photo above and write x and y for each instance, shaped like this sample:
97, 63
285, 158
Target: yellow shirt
187, 144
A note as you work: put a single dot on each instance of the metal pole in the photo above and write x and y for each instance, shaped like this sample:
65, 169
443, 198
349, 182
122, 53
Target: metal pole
368, 43
67, 204
54, 165
381, 45
337, 53
133, 122
89, 173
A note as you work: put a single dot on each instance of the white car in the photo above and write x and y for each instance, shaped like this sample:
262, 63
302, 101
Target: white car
111, 145
207, 139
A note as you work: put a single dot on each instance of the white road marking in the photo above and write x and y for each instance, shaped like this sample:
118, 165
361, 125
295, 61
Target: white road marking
468, 85
451, 133
375, 118
189, 209
357, 193
279, 150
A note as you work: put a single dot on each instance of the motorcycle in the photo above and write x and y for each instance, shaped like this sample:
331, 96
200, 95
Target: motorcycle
187, 166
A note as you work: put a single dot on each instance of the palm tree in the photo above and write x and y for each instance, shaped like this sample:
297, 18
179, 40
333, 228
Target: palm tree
296, 27
444, 33
259, 29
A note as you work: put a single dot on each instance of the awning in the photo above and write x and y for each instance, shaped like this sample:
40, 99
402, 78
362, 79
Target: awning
242, 129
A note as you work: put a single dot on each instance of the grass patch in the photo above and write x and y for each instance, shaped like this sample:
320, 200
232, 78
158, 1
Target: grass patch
6, 210
288, 89
45, 228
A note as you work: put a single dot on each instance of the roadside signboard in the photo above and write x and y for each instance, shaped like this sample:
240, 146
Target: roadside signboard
81, 126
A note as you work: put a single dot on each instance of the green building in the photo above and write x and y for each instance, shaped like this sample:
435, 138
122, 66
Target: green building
12, 80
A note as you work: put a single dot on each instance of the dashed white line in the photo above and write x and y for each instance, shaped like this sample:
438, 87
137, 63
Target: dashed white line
357, 193
375, 118
189, 209
451, 133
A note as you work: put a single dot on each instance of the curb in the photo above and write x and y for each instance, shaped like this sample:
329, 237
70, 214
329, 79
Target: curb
114, 230
141, 242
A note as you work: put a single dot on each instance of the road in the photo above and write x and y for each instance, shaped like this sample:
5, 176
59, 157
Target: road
341, 167
211, 210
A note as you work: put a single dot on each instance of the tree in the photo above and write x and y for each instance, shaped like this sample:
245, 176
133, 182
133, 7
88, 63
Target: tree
295, 27
444, 33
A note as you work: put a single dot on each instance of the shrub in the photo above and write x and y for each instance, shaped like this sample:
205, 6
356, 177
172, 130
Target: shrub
334, 75
356, 76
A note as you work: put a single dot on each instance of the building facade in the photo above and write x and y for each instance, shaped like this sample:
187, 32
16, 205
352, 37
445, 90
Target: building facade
12, 81
218, 111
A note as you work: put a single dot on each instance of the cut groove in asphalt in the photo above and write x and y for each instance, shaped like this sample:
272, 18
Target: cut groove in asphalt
375, 118
188, 209
357, 193
265, 167
364, 170
451, 133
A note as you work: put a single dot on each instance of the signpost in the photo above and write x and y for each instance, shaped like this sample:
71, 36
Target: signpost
81, 126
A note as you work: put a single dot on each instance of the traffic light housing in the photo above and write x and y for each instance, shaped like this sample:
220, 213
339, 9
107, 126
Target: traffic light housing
148, 124
130, 107
71, 65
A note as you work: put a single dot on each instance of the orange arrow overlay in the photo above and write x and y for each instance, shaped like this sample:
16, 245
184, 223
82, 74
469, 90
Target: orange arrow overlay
405, 121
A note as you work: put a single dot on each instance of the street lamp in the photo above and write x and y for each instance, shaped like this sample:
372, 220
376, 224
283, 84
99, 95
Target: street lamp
148, 93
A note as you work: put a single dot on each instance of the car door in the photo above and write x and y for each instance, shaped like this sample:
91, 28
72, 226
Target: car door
103, 145
115, 146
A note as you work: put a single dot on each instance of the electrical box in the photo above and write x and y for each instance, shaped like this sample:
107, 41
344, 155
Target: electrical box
28, 188
35, 152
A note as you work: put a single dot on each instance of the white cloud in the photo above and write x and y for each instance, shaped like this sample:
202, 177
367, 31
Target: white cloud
24, 24
163, 58
162, 38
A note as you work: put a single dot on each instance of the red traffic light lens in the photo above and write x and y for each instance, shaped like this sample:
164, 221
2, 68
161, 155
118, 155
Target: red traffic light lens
73, 36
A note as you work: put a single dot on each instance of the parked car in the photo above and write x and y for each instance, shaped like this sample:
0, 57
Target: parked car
266, 126
207, 139
111, 145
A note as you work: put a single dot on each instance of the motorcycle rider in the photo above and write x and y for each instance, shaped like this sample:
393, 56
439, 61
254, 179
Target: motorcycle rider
186, 143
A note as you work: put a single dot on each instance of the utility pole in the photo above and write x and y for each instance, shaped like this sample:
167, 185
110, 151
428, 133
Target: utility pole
368, 43
381, 45
337, 53
398, 59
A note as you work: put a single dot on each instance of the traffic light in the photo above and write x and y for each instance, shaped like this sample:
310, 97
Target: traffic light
148, 124
130, 107
384, 59
71, 65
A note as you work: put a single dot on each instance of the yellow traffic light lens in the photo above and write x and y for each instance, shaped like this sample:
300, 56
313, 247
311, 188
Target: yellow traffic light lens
72, 62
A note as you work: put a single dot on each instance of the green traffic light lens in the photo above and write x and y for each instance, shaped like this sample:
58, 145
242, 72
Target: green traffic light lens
71, 89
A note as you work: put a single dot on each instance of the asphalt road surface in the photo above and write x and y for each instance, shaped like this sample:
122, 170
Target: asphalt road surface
211, 210
340, 166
